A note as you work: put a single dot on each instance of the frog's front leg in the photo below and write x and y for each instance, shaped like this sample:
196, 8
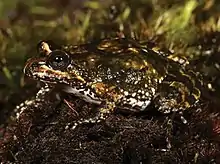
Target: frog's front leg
102, 113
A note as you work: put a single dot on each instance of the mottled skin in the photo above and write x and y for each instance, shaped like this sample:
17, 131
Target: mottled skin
118, 73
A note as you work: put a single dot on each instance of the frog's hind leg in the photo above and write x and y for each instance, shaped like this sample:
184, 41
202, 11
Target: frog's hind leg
174, 97
103, 111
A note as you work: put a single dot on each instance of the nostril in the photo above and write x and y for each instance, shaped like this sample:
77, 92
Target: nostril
31, 65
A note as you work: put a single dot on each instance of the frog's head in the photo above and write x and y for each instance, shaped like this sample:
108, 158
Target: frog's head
54, 67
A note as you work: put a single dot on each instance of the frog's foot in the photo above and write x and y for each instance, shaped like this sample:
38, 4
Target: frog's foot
34, 102
96, 119
169, 124
175, 96
172, 102
165, 105
102, 114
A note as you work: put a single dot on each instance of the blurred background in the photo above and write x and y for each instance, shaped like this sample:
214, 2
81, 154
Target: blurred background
187, 27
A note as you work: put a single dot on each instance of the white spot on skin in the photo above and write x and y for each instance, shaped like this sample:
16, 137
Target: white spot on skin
160, 80
125, 93
133, 94
145, 50
183, 120
42, 63
147, 94
153, 90
210, 86
145, 105
134, 102
135, 83
217, 66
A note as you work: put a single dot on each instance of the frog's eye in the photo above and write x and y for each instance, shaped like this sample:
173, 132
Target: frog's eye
58, 60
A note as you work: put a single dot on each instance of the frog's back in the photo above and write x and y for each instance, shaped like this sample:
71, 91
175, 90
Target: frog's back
121, 71
122, 67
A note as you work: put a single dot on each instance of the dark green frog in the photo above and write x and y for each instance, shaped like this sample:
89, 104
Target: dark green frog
118, 73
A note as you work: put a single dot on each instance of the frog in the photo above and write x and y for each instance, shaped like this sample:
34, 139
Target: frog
117, 73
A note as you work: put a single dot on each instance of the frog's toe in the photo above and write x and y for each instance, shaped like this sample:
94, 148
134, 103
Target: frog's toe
96, 119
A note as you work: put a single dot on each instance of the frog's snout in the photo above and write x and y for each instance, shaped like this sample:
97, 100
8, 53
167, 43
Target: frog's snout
31, 66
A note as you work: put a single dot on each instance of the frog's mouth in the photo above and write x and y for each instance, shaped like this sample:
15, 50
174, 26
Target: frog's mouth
38, 70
